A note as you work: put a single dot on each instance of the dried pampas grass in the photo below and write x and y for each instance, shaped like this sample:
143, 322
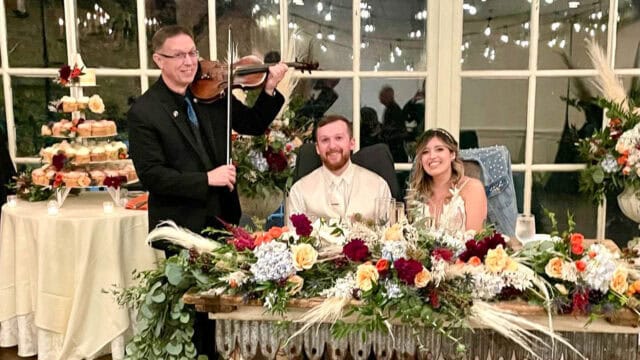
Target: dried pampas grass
606, 82
170, 231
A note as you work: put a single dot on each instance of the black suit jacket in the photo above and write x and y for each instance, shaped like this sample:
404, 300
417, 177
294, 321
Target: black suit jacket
172, 166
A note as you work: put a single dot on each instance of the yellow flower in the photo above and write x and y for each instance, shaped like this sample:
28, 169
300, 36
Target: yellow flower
619, 281
554, 268
296, 281
366, 276
304, 256
498, 260
96, 105
422, 278
393, 233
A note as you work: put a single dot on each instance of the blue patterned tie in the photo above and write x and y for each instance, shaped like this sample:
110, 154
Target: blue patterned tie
193, 119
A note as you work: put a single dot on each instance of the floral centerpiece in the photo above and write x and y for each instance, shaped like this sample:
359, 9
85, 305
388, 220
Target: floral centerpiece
586, 278
405, 273
612, 154
69, 75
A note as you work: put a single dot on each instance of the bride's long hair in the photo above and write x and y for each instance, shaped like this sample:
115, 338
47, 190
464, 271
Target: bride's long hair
421, 182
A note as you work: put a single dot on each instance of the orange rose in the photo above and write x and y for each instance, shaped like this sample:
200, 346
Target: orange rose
475, 261
622, 159
233, 283
366, 276
576, 238
276, 231
382, 265
636, 285
619, 281
581, 266
577, 249
261, 237
554, 268
592, 254
422, 278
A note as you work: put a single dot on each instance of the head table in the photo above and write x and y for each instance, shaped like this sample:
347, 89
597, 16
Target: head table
54, 268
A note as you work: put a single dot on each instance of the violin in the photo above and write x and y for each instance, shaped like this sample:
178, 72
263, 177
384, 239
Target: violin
210, 83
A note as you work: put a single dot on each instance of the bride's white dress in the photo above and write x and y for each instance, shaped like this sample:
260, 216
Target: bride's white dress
452, 219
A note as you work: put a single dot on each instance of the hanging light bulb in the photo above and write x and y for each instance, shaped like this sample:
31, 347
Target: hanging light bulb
592, 33
525, 25
412, 35
487, 30
332, 36
319, 35
319, 6
577, 27
505, 36
418, 33
328, 16
323, 47
603, 27
365, 14
562, 43
552, 43
555, 26
392, 58
574, 4
398, 50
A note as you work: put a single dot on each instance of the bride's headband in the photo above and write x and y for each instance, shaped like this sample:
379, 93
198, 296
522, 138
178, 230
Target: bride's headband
439, 131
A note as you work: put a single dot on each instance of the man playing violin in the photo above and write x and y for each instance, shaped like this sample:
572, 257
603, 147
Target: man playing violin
178, 146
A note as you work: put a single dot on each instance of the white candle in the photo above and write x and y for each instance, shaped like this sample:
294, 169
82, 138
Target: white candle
107, 207
52, 207
12, 200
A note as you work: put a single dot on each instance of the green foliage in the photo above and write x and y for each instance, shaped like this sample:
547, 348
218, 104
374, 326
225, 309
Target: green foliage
26, 190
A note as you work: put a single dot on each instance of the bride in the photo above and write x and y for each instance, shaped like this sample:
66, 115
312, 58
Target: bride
456, 203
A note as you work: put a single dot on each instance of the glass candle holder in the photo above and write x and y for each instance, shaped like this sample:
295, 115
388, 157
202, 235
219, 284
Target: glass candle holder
12, 200
52, 208
107, 207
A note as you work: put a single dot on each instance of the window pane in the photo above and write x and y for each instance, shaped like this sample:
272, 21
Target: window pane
117, 94
495, 35
191, 14
627, 35
30, 107
323, 31
392, 102
314, 98
496, 111
563, 29
107, 33
34, 36
255, 25
393, 35
560, 122
546, 196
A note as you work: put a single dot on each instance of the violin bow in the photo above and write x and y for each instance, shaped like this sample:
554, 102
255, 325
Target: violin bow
229, 82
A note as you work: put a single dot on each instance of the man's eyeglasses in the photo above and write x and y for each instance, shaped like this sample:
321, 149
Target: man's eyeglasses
181, 56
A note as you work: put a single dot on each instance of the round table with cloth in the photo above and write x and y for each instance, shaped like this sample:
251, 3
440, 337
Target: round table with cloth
54, 268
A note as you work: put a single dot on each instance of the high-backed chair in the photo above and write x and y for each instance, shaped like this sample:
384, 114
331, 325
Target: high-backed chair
376, 158
492, 165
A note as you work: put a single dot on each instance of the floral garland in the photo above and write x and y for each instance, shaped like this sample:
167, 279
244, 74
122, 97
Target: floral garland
406, 273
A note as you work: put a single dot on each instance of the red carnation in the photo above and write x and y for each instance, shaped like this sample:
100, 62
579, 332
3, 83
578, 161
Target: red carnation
580, 302
277, 160
407, 269
442, 253
356, 250
302, 224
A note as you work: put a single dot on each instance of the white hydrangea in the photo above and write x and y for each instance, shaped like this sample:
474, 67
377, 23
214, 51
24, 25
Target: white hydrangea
274, 262
600, 269
343, 288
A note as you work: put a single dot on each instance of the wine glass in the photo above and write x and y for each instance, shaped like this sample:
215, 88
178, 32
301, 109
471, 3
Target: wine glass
525, 228
383, 211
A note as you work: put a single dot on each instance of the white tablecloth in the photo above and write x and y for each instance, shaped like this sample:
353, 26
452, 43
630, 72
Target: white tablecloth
53, 270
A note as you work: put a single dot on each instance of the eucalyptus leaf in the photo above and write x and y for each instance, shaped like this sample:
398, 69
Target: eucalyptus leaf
160, 297
174, 348
174, 273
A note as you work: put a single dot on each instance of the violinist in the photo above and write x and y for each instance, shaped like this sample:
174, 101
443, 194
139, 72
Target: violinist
178, 143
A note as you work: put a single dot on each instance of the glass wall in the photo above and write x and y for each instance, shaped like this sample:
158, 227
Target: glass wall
533, 98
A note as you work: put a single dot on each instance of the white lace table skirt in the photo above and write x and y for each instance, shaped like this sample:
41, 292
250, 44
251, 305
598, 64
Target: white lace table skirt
21, 331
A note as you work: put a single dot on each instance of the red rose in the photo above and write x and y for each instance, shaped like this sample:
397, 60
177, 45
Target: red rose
382, 266
302, 224
58, 161
576, 238
356, 250
407, 269
64, 73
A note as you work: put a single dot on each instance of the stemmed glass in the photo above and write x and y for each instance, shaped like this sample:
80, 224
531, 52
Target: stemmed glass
525, 228
384, 211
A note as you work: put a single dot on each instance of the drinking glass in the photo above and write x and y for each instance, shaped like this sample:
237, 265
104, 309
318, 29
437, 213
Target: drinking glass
400, 213
384, 211
525, 228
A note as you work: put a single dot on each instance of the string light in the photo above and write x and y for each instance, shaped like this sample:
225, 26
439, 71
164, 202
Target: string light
323, 47
319, 6
505, 36
487, 30
332, 36
255, 9
327, 16
574, 4
562, 43
398, 50
555, 26
577, 27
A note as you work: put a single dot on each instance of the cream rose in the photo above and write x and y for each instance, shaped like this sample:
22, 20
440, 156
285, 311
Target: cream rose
366, 276
45, 131
554, 268
393, 233
422, 278
304, 256
297, 282
498, 260
619, 281
96, 105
